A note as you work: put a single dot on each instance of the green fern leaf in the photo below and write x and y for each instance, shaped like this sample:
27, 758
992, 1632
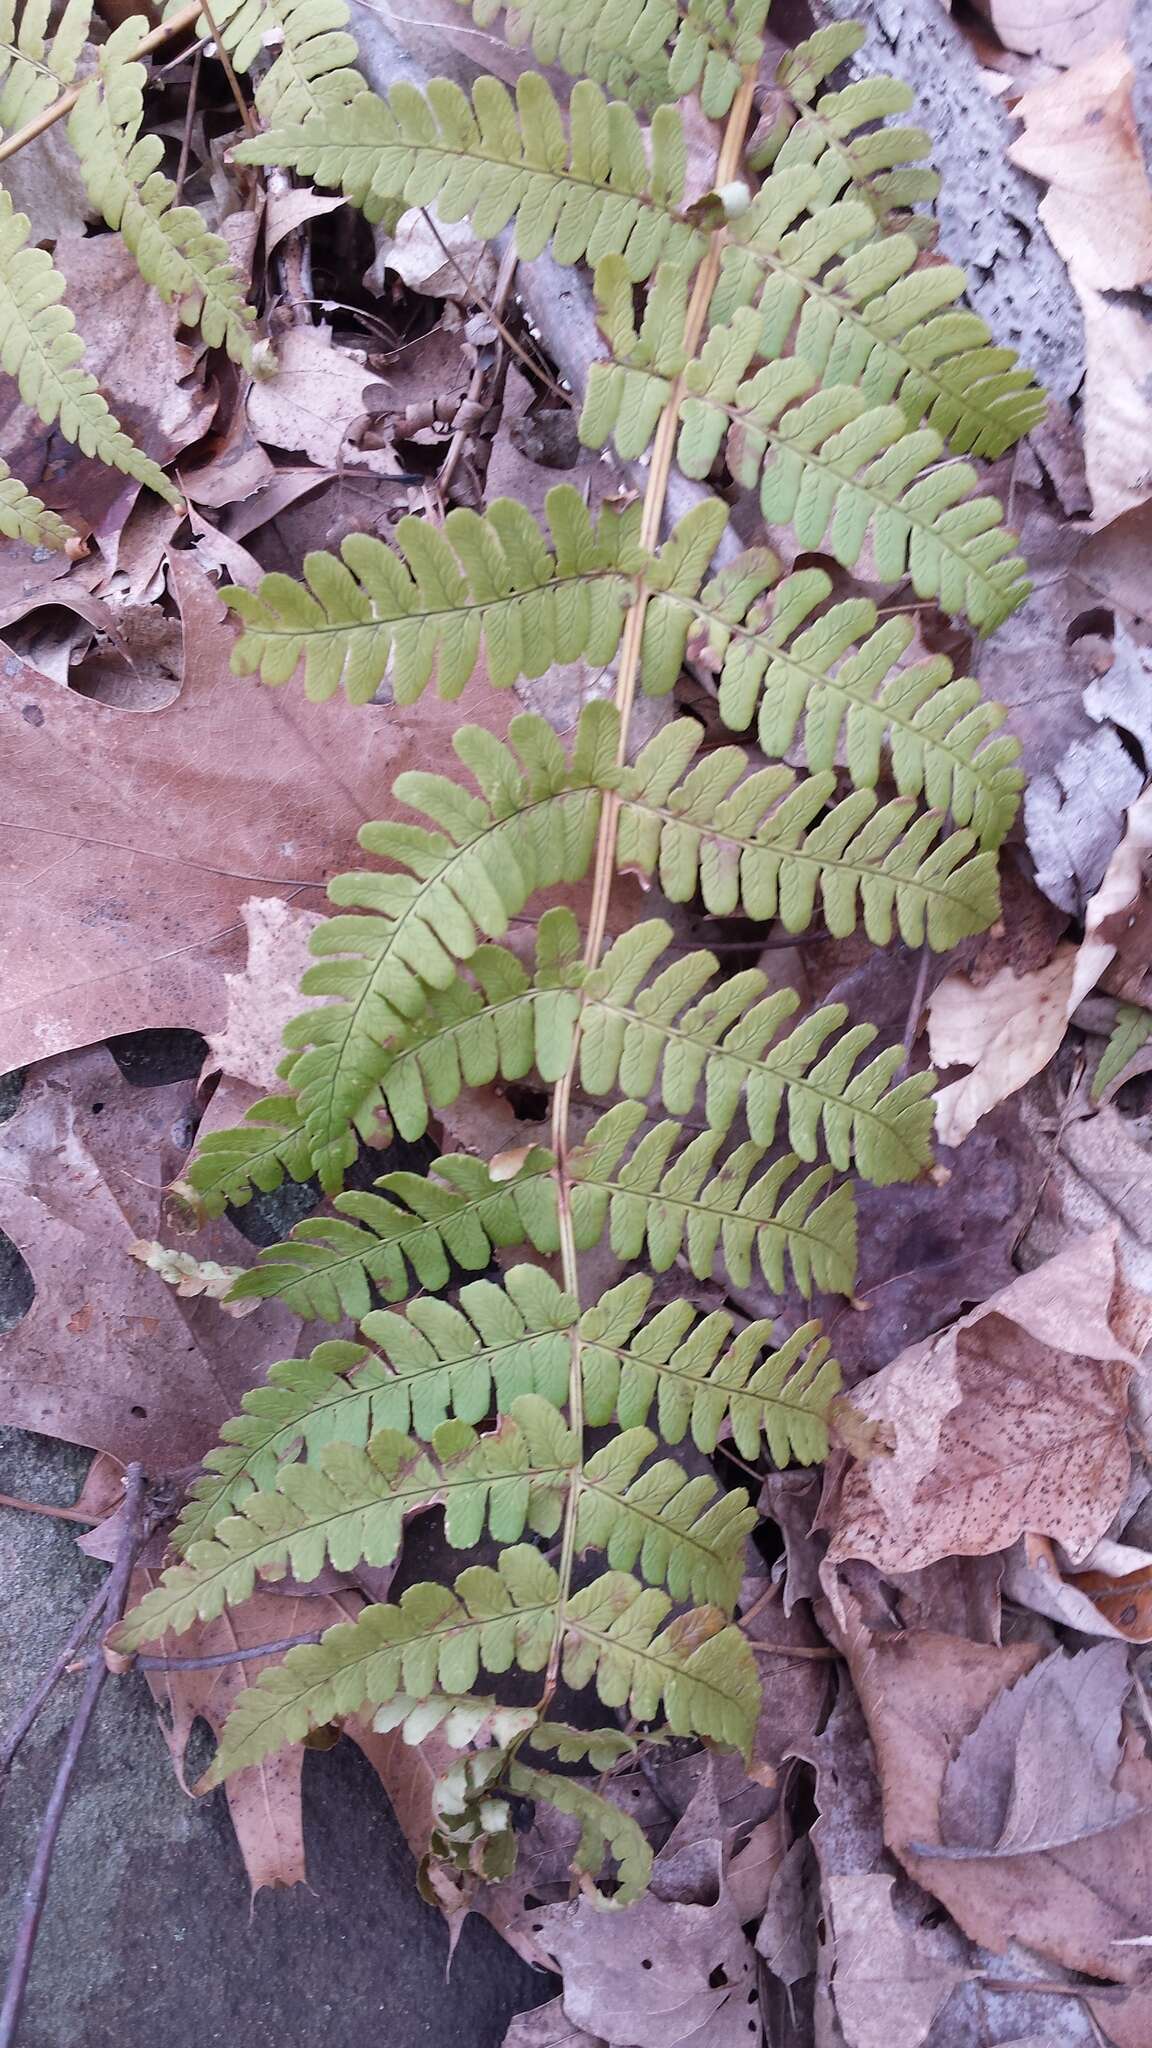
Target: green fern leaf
436, 1361
23, 517
482, 583
837, 468
40, 349
351, 1504
34, 64
663, 1201
535, 826
433, 1361
701, 1378
271, 1144
851, 302
313, 70
835, 673
327, 1265
596, 187
751, 841
174, 248
605, 1831
838, 133
1132, 1029
680, 1031
615, 1634
624, 47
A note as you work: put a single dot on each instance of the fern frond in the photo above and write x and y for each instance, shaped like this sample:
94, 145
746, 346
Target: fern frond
535, 826
672, 1034
616, 1634
351, 1504
662, 1202
1132, 1029
326, 1267
624, 47
174, 248
752, 841
35, 64
871, 321
834, 674
605, 1831
837, 133
313, 68
270, 1145
679, 1032
481, 584
41, 350
24, 517
702, 1377
433, 1361
595, 188
837, 468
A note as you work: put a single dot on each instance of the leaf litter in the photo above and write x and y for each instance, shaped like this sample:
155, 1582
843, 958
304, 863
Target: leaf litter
944, 1838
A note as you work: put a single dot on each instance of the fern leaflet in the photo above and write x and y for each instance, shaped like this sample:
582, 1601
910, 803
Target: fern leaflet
40, 348
174, 249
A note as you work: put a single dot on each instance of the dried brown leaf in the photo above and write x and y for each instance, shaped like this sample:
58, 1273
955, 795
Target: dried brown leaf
890, 1979
1013, 1420
135, 839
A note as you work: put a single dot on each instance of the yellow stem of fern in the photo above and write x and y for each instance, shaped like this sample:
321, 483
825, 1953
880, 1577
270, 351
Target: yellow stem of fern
663, 448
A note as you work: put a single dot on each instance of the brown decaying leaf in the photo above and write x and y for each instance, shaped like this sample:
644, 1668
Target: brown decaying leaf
1006, 1031
890, 1980
315, 402
548, 2027
1080, 135
266, 994
134, 839
1012, 1420
1060, 31
108, 1355
1083, 1906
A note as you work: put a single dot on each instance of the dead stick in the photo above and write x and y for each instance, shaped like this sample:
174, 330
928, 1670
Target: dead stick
178, 1664
37, 1891
166, 33
39, 1507
51, 1679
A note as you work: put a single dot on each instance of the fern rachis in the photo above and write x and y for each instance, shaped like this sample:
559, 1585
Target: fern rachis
734, 1122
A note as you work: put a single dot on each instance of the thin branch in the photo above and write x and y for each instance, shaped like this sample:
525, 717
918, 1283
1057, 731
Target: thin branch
40, 1507
178, 1664
166, 33
916, 1007
33, 1907
51, 1679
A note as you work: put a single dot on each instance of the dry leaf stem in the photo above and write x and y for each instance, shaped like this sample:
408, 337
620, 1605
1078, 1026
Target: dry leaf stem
663, 448
114, 1595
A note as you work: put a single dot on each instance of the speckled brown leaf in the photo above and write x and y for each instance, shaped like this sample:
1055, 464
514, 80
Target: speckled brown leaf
1082, 1906
107, 1355
131, 840
1012, 1420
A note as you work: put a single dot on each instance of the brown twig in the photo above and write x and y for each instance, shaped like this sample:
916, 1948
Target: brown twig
51, 1679
189, 119
242, 107
116, 1592
178, 1664
915, 1007
39, 1507
166, 33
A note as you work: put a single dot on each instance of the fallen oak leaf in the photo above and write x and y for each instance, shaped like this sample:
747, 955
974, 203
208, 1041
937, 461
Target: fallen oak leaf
1007, 1031
116, 822
1001, 1796
1014, 1419
889, 1981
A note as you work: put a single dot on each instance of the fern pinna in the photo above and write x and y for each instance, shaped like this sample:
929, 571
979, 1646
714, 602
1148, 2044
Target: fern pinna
782, 329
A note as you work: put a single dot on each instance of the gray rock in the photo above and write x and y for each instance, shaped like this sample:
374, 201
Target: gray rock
147, 1935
